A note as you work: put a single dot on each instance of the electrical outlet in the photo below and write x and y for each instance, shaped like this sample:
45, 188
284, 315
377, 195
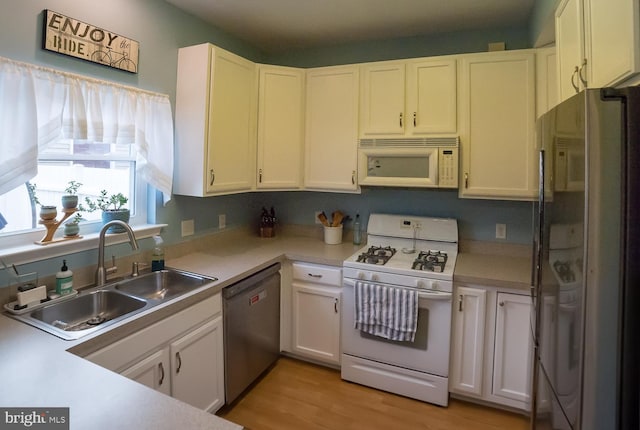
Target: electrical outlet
188, 227
501, 231
316, 217
222, 221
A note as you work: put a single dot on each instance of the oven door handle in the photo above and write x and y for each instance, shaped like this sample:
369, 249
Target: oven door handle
434, 296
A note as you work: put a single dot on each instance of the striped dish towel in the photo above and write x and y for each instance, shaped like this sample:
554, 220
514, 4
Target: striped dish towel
386, 311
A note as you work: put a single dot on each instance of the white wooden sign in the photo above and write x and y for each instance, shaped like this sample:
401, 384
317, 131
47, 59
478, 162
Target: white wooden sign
78, 39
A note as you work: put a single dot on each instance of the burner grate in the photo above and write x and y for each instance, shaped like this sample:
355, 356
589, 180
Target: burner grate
432, 261
377, 255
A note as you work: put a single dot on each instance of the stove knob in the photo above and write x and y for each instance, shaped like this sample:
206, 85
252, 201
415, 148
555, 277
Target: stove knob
420, 283
374, 277
360, 275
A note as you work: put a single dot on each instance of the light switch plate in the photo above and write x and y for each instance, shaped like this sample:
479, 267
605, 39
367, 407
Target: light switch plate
501, 231
222, 221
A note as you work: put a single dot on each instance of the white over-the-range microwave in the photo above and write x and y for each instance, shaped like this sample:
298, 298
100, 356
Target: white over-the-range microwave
409, 162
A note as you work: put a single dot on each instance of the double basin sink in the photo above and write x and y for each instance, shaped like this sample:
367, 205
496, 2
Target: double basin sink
96, 308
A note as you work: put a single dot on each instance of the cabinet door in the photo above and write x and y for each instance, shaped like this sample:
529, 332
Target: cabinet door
316, 322
153, 371
546, 80
469, 316
280, 127
431, 97
569, 43
612, 33
231, 138
197, 367
498, 119
382, 99
512, 353
331, 133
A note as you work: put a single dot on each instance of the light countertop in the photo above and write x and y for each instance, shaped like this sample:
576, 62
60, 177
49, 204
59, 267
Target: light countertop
42, 372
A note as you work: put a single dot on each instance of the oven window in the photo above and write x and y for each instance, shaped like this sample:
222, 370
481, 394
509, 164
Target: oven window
422, 333
398, 167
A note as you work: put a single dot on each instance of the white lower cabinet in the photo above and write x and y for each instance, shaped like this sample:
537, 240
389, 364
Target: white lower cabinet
152, 371
469, 315
491, 346
316, 299
197, 367
181, 356
512, 348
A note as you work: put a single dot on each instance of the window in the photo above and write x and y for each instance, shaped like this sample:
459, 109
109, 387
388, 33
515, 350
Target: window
56, 127
97, 166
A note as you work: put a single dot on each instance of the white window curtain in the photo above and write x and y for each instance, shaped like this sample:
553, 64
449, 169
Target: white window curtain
39, 106
18, 127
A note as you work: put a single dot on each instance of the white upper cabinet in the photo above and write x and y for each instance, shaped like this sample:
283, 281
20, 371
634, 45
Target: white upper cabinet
497, 123
415, 97
280, 127
546, 80
598, 43
331, 131
215, 122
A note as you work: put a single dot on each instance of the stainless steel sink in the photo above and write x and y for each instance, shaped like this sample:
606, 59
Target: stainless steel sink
162, 285
88, 311
94, 309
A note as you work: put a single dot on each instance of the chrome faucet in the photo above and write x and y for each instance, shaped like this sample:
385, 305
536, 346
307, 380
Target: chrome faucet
101, 272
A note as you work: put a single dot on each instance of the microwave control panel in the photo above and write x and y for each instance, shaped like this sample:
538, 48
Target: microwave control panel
448, 168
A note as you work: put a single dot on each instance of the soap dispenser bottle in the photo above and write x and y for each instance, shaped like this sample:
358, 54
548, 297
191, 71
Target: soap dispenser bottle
357, 234
157, 258
64, 280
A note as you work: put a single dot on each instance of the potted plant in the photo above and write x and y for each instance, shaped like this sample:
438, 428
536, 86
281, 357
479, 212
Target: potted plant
71, 227
70, 199
112, 208
47, 212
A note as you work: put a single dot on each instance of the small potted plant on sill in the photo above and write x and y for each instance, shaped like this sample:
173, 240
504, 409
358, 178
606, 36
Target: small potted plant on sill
112, 208
47, 212
71, 227
70, 199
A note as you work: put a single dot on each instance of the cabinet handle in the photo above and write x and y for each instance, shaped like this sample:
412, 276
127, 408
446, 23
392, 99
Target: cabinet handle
161, 367
583, 80
501, 304
314, 276
260, 175
179, 359
414, 118
460, 303
353, 177
466, 180
213, 177
400, 119
573, 82
335, 305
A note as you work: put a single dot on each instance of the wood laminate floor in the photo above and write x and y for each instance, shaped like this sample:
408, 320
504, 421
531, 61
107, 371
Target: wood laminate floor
299, 395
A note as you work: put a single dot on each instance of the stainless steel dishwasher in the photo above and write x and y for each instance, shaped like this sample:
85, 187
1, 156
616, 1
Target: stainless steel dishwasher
251, 311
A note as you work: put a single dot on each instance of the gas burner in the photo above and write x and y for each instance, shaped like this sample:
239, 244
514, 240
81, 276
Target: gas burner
565, 271
433, 261
377, 255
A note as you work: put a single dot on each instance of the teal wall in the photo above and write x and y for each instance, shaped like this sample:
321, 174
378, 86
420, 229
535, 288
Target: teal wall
161, 29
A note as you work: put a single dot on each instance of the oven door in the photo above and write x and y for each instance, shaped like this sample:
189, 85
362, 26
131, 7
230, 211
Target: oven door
428, 353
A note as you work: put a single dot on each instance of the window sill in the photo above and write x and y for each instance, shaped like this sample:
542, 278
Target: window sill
32, 252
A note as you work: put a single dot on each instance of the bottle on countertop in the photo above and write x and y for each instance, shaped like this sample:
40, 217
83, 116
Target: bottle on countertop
157, 257
64, 280
357, 234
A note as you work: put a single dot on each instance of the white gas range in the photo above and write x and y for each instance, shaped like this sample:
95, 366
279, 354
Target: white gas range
403, 253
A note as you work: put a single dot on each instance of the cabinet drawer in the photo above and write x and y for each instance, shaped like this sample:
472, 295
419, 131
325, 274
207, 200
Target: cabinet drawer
317, 274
